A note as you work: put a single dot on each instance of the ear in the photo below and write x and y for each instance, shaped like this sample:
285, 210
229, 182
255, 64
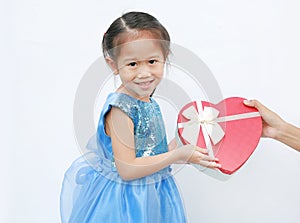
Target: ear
111, 63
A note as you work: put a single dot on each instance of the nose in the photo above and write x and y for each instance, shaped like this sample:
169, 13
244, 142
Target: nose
143, 72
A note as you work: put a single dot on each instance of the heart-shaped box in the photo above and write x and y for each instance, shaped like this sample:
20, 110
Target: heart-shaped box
229, 130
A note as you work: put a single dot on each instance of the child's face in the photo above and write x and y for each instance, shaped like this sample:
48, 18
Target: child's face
140, 64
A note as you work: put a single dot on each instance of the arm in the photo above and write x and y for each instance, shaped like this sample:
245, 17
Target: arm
275, 127
120, 128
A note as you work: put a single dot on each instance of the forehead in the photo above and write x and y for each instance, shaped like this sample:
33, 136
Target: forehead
140, 49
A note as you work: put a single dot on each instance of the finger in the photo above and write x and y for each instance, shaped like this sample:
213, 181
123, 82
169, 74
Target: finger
248, 103
210, 164
252, 103
258, 105
205, 151
205, 157
255, 103
201, 150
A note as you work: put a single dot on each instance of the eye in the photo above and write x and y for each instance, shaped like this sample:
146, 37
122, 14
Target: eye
153, 61
132, 64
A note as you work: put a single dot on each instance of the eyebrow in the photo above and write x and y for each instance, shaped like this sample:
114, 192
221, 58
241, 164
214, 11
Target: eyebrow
129, 59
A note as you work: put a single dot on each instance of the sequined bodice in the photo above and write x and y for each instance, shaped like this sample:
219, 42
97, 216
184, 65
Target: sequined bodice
149, 130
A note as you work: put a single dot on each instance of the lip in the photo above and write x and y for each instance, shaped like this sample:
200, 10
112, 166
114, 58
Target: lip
144, 84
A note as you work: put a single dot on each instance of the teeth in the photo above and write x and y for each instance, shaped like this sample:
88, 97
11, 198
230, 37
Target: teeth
145, 83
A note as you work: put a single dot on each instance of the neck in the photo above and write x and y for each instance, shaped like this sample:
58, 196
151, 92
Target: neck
123, 90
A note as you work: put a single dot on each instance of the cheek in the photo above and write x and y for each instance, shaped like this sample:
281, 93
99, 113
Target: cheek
159, 71
126, 75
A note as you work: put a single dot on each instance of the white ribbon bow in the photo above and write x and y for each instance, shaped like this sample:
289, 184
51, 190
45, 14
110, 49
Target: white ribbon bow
207, 118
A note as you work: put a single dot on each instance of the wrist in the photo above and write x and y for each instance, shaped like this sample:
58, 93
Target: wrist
177, 154
282, 131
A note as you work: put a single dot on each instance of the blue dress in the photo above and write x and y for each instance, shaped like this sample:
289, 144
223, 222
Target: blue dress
93, 191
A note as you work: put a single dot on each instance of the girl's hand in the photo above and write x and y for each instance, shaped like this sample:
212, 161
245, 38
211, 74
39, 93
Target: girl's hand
194, 154
197, 155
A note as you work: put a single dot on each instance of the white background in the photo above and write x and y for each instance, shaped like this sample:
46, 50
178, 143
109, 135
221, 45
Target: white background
252, 48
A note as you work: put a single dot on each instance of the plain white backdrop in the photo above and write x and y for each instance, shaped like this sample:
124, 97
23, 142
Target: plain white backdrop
252, 48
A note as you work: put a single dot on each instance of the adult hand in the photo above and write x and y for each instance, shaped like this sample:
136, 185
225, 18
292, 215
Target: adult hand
272, 122
275, 127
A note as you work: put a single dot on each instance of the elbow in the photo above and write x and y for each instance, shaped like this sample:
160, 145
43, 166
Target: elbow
126, 174
126, 177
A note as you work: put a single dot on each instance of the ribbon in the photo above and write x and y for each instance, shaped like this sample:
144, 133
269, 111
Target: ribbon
207, 119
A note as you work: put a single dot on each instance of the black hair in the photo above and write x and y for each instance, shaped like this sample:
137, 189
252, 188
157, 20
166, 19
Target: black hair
134, 21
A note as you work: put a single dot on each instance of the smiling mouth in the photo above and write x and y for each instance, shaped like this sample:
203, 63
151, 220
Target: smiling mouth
145, 84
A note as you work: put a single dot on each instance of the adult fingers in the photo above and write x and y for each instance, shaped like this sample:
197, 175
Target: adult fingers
256, 104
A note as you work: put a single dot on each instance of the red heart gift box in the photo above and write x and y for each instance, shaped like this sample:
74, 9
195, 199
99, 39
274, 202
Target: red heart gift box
229, 130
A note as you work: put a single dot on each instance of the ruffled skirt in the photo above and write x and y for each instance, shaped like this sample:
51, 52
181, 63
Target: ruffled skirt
97, 194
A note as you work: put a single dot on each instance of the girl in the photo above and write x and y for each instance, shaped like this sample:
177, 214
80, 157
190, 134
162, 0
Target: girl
126, 176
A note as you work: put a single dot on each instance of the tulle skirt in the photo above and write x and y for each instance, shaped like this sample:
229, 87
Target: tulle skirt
96, 195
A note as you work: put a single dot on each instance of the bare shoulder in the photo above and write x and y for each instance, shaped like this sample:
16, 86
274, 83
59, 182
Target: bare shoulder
117, 122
